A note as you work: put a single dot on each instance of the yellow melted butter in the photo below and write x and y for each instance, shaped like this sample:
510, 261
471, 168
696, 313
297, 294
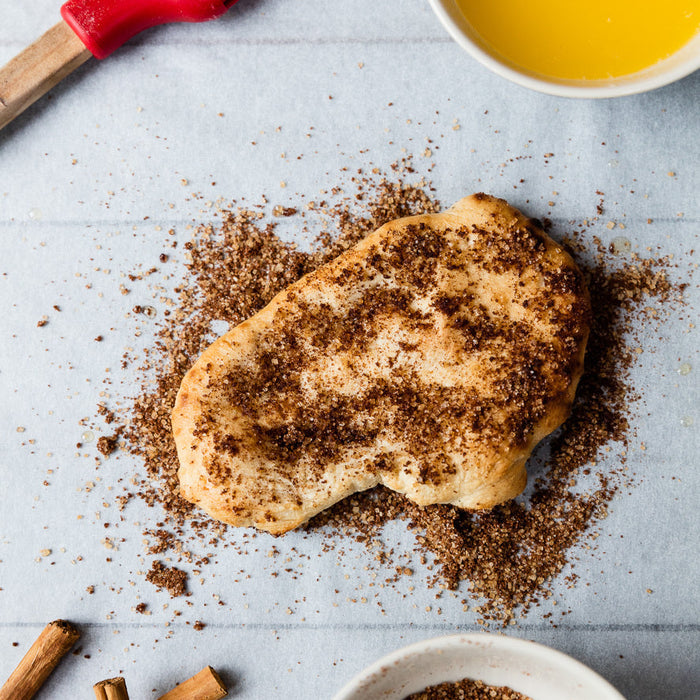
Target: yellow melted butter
584, 39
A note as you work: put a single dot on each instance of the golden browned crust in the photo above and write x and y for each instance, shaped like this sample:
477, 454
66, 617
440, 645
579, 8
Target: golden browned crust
431, 357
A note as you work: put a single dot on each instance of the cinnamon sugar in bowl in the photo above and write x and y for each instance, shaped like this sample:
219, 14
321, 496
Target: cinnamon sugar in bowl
526, 667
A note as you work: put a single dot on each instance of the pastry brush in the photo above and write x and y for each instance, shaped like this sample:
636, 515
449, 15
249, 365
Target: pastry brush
88, 28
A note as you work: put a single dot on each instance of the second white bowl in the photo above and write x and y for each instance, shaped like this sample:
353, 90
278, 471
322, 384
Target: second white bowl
533, 669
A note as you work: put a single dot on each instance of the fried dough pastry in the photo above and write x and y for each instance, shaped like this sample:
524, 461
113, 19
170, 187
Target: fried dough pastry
431, 357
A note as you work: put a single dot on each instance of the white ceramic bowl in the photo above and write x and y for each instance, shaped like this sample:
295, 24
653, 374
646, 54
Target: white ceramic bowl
535, 670
682, 63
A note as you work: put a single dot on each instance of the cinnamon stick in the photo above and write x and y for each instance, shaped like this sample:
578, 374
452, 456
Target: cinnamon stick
206, 685
111, 689
43, 656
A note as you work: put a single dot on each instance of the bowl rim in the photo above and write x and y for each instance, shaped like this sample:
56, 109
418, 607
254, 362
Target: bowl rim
595, 90
482, 639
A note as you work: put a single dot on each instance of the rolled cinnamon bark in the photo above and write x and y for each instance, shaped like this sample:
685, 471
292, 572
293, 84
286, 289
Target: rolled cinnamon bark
43, 656
111, 689
206, 685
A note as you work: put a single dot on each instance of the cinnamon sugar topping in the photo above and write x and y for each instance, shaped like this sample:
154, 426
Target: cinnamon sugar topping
432, 358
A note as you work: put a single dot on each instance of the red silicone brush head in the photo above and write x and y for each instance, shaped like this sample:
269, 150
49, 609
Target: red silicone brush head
104, 25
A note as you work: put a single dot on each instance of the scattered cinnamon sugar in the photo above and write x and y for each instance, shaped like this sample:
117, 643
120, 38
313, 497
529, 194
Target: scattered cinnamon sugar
467, 689
508, 556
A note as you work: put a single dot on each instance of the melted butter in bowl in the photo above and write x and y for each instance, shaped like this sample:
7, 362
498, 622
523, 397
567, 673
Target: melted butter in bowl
581, 39
579, 48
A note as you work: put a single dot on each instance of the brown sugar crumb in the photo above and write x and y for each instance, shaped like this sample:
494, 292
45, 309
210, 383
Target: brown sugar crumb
107, 444
164, 540
198, 625
107, 415
284, 211
173, 580
467, 689
141, 608
42, 321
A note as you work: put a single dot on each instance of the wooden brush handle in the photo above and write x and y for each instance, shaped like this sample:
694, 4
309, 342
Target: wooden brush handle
38, 68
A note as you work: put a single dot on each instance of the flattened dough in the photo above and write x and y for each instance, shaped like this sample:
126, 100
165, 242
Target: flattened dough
431, 357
